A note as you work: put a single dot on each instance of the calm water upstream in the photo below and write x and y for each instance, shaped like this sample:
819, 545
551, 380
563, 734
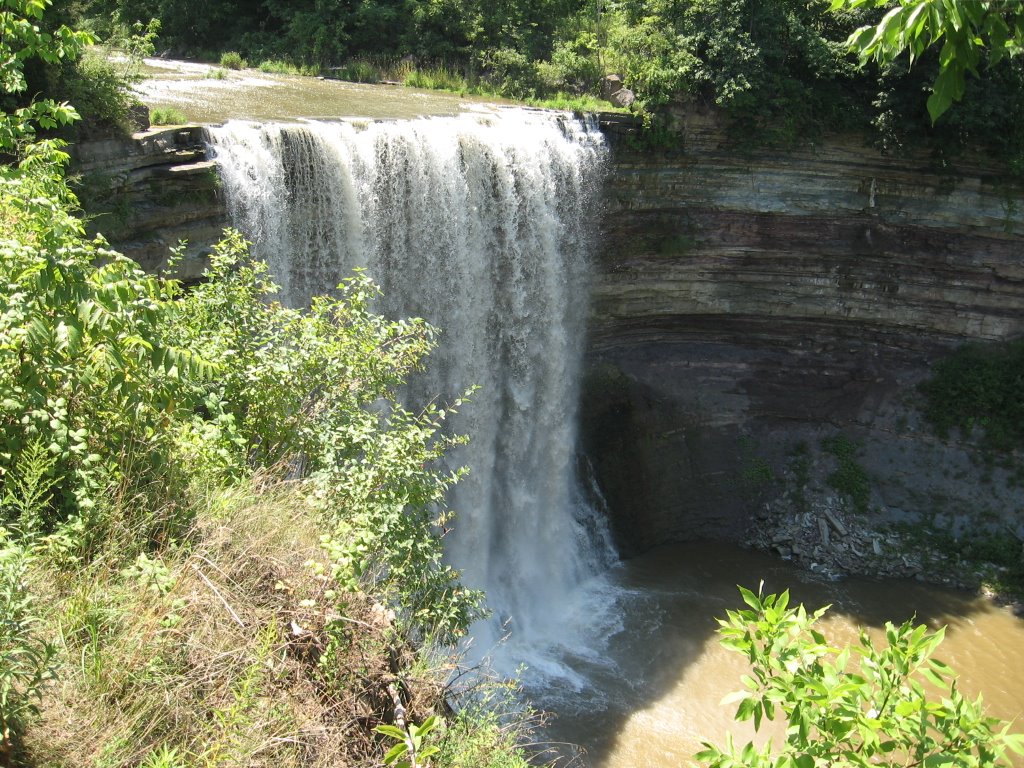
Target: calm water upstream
648, 689
204, 93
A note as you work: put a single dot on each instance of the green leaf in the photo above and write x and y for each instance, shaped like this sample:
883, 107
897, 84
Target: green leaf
745, 710
396, 752
943, 91
391, 730
750, 599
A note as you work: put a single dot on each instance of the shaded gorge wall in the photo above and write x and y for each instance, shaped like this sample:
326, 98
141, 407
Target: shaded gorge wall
753, 304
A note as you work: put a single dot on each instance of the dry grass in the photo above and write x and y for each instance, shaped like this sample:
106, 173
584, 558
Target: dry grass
229, 650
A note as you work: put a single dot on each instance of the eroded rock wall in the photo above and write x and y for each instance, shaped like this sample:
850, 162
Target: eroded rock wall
749, 306
148, 192
752, 303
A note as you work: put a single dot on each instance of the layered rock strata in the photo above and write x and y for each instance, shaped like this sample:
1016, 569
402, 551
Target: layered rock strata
751, 304
148, 192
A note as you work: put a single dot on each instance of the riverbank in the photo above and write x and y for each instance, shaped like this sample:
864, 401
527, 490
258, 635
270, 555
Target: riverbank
208, 93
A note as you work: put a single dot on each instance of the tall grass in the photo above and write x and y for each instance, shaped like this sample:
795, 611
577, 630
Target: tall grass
233, 60
225, 647
282, 67
359, 71
439, 78
167, 115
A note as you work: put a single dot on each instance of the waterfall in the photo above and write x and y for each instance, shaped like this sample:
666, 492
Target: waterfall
482, 225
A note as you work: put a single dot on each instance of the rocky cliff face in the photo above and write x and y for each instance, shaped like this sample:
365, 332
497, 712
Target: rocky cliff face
751, 307
752, 304
148, 192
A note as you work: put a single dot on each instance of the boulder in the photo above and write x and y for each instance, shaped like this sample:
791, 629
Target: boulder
622, 97
609, 85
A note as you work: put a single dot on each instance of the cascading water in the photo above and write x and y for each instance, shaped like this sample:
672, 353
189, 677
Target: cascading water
482, 225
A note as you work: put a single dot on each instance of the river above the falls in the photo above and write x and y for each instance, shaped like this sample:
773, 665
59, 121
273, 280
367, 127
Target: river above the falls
640, 684
205, 93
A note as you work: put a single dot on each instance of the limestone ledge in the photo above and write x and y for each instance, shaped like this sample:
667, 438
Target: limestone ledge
148, 192
837, 231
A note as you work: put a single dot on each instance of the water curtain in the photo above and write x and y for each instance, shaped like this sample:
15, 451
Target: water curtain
482, 224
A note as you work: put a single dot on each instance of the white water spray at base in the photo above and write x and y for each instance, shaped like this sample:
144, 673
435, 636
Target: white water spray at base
482, 225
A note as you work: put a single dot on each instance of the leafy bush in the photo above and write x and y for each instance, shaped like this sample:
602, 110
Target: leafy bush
511, 72
573, 66
652, 63
233, 60
316, 389
86, 369
864, 706
849, 477
99, 91
979, 386
100, 86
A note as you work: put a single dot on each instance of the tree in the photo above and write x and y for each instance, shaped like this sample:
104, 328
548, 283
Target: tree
21, 39
971, 32
860, 706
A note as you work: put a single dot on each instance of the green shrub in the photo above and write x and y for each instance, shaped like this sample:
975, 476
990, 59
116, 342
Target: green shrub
316, 390
849, 477
86, 369
233, 60
99, 90
167, 116
134, 41
100, 86
573, 67
979, 386
511, 72
490, 728
861, 706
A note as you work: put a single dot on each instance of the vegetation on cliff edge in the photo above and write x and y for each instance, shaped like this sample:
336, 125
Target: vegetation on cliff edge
219, 528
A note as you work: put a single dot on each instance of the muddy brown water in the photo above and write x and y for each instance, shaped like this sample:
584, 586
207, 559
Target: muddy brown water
656, 692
